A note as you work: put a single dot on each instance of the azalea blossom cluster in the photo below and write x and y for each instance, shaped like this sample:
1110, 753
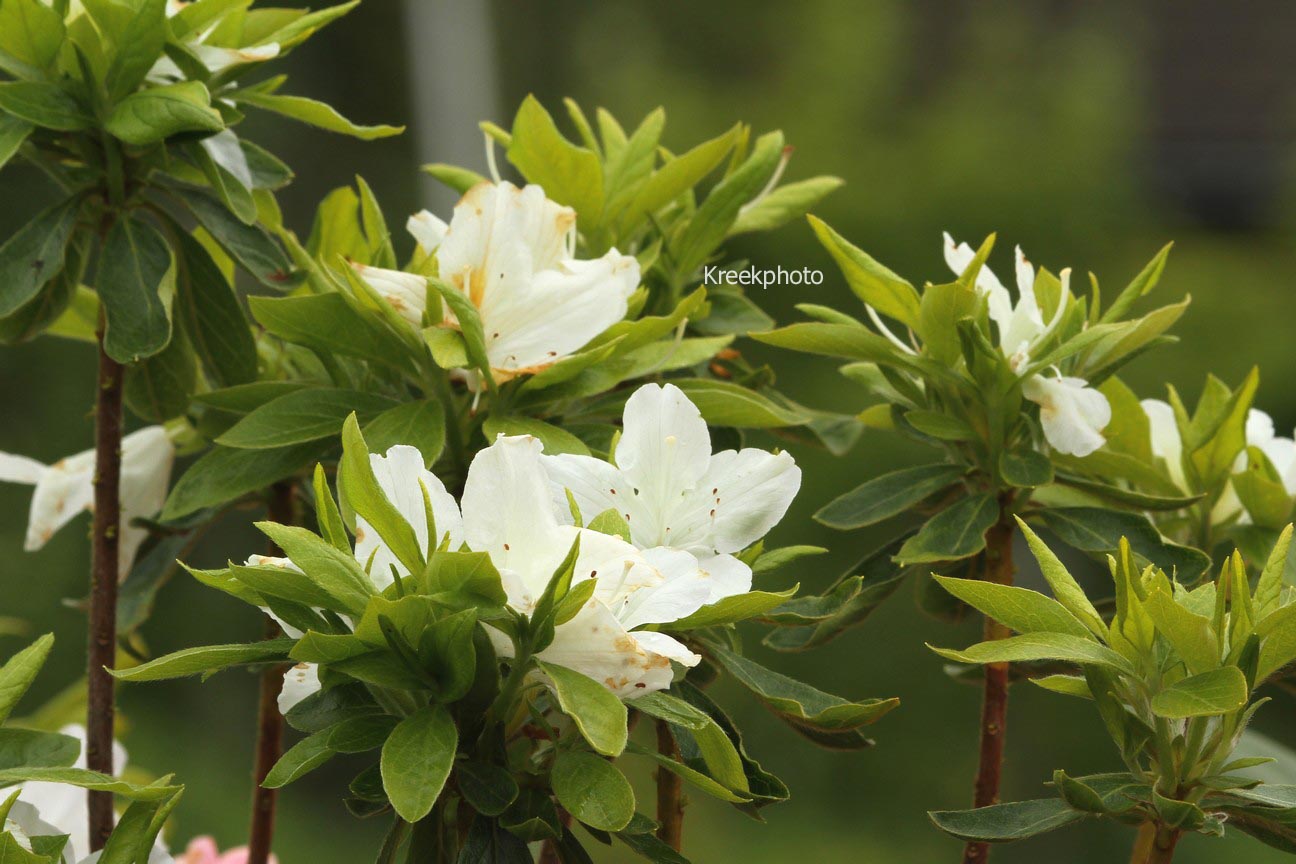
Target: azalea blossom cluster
511, 252
687, 511
1072, 413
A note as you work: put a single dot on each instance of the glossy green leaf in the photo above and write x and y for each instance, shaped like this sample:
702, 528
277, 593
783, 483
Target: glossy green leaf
1001, 822
1205, 695
206, 660
1018, 609
554, 438
600, 715
873, 283
1039, 646
136, 284
34, 254
956, 532
724, 403
570, 175
592, 789
224, 474
18, 672
153, 115
301, 416
44, 104
887, 496
416, 761
418, 424
314, 113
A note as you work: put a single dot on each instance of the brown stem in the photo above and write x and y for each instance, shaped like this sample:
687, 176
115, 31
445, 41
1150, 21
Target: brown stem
549, 850
670, 788
994, 704
102, 641
269, 721
1155, 844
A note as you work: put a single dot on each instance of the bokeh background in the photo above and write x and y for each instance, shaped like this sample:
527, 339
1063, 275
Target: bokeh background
1090, 133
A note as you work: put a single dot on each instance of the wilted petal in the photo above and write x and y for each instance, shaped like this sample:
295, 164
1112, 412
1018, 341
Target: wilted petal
299, 682
1072, 413
403, 479
147, 458
218, 59
405, 292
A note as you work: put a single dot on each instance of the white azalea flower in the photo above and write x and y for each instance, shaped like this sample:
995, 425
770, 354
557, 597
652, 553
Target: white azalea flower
1072, 413
65, 489
1022, 328
673, 492
510, 251
1281, 453
58, 808
427, 230
508, 512
299, 682
1163, 430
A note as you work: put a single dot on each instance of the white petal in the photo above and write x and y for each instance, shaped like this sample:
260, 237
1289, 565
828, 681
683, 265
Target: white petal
598, 486
147, 458
1259, 428
1163, 430
218, 59
406, 292
508, 512
403, 479
65, 490
958, 256
531, 326
1072, 413
743, 495
427, 230
299, 682
596, 644
680, 589
729, 576
20, 469
664, 451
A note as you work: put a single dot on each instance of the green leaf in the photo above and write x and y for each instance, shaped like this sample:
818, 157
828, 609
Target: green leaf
1205, 695
1039, 646
600, 716
887, 496
13, 131
672, 709
1190, 634
732, 609
300, 759
212, 316
34, 255
1268, 592
361, 491
1099, 530
250, 245
206, 660
31, 33
1144, 282
593, 790
1065, 588
419, 424
724, 403
570, 175
300, 416
17, 674
784, 204
153, 115
940, 426
1025, 469
416, 761
554, 438
138, 48
1018, 609
136, 284
86, 780
326, 323
712, 220
941, 310
798, 702
314, 113
1000, 822
470, 326
224, 474
44, 104
1262, 492
458, 179
956, 532
158, 388
489, 788
677, 176
336, 572
873, 283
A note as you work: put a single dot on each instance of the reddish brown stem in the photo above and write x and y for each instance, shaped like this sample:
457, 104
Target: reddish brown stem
269, 743
1155, 844
994, 704
102, 638
670, 791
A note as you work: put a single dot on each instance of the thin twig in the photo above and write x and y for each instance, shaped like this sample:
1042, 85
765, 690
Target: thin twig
269, 721
994, 705
104, 578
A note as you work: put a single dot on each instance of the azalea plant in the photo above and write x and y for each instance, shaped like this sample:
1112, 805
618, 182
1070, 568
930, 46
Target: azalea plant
491, 654
129, 107
1173, 675
1012, 393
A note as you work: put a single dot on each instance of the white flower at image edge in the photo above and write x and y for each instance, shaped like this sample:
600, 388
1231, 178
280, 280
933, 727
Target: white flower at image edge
510, 252
53, 809
66, 488
1072, 413
674, 492
1260, 433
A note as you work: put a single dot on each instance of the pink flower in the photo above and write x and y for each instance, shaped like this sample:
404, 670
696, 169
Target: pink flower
203, 850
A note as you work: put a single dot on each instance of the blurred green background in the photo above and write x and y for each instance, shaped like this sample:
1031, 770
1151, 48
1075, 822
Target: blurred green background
1089, 133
